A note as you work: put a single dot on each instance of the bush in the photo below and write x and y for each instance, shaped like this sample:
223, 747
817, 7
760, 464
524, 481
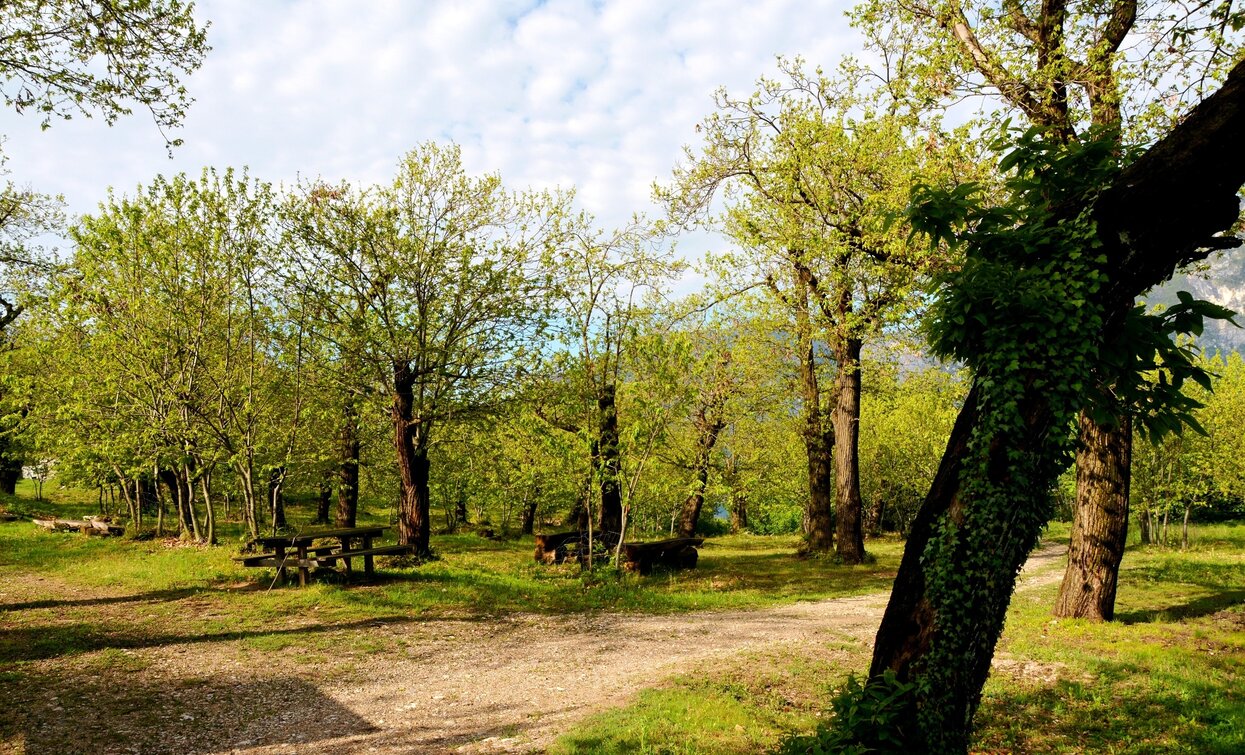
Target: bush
868, 717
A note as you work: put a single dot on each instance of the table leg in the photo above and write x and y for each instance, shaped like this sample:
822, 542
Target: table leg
346, 547
368, 570
281, 561
302, 565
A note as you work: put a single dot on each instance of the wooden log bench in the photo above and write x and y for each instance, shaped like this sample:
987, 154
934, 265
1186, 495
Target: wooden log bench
91, 525
553, 547
676, 553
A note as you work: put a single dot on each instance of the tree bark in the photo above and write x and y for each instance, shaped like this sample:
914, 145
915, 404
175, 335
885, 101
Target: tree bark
528, 515
324, 502
414, 525
709, 423
610, 527
845, 419
276, 497
10, 473
1160, 213
1100, 524
818, 440
1143, 527
348, 466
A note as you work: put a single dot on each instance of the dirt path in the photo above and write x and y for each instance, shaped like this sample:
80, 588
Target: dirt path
518, 683
472, 686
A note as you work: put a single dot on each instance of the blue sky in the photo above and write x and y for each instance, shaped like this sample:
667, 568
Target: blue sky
599, 95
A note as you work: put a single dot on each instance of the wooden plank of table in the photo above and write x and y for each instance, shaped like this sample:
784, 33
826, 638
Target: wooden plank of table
346, 532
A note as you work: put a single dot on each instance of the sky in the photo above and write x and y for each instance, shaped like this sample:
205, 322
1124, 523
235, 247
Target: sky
596, 95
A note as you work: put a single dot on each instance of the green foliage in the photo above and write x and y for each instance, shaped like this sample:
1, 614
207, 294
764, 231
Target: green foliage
869, 716
906, 417
99, 56
1024, 313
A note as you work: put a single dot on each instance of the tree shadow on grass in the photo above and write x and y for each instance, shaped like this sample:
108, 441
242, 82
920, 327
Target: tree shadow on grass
1138, 715
43, 641
155, 596
1203, 606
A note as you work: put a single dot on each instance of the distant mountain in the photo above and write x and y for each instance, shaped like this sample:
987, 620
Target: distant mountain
1220, 279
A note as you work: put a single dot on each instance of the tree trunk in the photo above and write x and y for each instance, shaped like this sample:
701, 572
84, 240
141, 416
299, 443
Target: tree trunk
205, 485
846, 422
1159, 213
414, 525
348, 467
10, 468
1184, 530
324, 501
610, 526
709, 423
276, 498
528, 515
1100, 524
739, 511
818, 440
1143, 527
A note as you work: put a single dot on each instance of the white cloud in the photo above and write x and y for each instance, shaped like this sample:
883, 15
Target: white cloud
597, 94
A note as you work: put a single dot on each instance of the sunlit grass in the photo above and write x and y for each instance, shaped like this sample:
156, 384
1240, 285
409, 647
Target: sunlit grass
1168, 677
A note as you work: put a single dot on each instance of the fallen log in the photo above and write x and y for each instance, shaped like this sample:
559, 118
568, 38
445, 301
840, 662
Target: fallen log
90, 525
551, 548
676, 553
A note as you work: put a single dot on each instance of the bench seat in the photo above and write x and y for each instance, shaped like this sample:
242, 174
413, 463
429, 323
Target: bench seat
272, 559
380, 550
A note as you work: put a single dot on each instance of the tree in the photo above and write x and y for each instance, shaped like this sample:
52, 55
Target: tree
988, 502
607, 284
812, 172
1124, 68
82, 57
442, 278
165, 289
907, 412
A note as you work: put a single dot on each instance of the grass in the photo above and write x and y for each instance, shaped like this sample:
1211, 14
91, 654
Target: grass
1168, 676
159, 591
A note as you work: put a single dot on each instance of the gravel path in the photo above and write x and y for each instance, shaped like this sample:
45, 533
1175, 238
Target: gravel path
472, 686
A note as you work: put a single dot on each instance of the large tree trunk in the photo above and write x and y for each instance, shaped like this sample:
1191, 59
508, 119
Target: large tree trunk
818, 440
845, 418
610, 527
348, 466
1159, 214
709, 423
409, 434
1100, 524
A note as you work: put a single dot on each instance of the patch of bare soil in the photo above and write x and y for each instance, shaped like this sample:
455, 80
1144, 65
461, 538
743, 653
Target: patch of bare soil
470, 686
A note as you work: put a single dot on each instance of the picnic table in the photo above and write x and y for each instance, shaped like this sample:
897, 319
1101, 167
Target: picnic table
307, 555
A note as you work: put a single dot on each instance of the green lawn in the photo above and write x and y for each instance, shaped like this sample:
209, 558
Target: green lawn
1166, 677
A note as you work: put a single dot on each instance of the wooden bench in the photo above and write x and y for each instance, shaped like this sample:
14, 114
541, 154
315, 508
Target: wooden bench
276, 559
299, 550
366, 554
676, 553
